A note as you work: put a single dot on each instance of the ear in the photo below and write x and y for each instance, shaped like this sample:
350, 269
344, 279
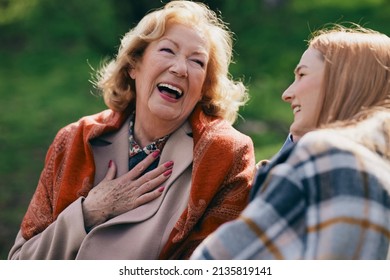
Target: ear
131, 72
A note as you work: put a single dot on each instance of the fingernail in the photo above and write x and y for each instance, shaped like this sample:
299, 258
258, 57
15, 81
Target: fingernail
168, 164
156, 153
109, 163
161, 189
168, 172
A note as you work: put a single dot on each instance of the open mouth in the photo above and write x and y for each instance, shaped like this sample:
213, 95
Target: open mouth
170, 90
296, 109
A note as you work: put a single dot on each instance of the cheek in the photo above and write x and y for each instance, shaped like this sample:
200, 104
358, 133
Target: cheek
315, 96
191, 101
308, 93
311, 110
196, 88
310, 114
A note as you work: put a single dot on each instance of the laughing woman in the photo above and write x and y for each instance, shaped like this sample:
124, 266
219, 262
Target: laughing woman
156, 173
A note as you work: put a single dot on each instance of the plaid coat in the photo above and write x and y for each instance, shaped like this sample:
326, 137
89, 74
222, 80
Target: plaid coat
325, 198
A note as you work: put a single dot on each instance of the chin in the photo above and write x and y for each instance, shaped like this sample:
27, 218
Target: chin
172, 117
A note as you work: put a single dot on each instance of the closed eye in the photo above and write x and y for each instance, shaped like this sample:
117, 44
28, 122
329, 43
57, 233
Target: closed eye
168, 50
299, 75
299, 71
199, 62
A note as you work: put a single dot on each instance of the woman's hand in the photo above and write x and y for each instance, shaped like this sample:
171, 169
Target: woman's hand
112, 197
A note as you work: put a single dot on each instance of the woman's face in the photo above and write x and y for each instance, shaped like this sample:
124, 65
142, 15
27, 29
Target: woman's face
170, 75
304, 93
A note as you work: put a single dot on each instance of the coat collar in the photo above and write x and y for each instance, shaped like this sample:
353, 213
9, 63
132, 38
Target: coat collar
179, 149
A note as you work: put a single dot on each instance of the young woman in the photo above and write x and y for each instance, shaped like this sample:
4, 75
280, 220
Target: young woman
326, 197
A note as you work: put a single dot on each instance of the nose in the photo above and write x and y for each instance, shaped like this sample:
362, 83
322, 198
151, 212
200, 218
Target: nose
179, 68
287, 95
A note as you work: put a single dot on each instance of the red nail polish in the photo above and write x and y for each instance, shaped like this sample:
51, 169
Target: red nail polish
168, 164
161, 189
168, 172
109, 163
156, 153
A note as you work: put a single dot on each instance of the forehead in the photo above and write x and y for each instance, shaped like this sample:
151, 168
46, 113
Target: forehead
312, 58
189, 35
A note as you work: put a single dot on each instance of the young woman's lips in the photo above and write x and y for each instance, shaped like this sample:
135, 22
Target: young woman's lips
296, 109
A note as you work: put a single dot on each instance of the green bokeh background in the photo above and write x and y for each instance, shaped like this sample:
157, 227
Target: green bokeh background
49, 48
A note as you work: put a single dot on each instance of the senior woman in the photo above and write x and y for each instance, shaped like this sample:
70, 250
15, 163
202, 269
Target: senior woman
156, 173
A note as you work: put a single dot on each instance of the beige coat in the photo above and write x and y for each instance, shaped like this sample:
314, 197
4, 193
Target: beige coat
150, 224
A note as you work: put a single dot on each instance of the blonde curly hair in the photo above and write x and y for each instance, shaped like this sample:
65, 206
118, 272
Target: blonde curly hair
221, 95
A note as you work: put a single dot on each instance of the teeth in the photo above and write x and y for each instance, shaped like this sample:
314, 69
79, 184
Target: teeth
179, 91
296, 109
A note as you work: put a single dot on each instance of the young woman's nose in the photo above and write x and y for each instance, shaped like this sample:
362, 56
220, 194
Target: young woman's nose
179, 67
287, 95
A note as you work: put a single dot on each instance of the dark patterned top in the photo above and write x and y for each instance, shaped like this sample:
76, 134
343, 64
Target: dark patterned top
137, 153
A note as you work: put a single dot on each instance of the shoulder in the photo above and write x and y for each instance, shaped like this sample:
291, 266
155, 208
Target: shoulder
342, 153
215, 129
318, 141
101, 118
317, 153
223, 138
87, 124
355, 142
84, 128
367, 137
216, 140
323, 151
218, 130
222, 129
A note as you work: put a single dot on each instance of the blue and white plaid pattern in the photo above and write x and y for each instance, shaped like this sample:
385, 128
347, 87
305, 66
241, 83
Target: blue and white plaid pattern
325, 198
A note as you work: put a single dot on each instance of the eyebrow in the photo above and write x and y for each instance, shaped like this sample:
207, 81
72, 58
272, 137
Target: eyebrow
197, 52
170, 40
299, 67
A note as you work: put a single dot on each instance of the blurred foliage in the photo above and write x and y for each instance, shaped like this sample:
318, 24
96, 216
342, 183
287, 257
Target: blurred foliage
15, 10
49, 48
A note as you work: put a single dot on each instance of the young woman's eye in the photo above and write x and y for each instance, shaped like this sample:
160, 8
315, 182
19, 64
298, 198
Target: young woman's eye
299, 75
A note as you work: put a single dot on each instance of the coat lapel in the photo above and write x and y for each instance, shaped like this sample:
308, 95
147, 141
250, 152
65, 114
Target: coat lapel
112, 146
179, 149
